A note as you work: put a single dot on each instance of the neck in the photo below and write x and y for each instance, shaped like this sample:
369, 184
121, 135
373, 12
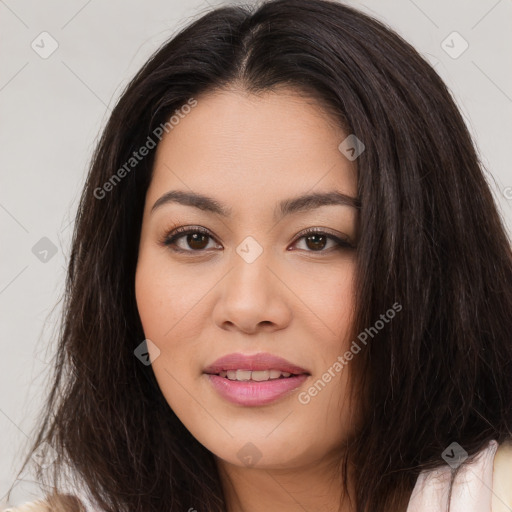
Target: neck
316, 486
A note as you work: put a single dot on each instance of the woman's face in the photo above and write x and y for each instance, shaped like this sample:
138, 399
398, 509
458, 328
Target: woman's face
254, 283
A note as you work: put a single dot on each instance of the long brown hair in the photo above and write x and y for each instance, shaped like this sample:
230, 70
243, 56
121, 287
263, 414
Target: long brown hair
431, 239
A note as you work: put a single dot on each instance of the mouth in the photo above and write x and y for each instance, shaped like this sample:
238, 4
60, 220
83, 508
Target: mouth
258, 367
256, 375
254, 380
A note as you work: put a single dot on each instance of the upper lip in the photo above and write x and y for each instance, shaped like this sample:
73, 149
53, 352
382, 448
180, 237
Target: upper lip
255, 362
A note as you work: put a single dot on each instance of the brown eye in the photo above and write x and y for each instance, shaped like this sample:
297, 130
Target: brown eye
188, 239
316, 241
197, 240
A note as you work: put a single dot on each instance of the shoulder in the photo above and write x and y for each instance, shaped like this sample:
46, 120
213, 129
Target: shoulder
502, 478
54, 503
483, 485
31, 506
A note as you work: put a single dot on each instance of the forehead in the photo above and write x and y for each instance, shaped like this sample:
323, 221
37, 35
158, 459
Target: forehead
249, 149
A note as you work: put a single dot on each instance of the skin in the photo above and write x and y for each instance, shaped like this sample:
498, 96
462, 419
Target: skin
249, 153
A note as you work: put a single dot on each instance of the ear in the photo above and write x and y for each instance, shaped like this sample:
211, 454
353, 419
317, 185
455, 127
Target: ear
502, 478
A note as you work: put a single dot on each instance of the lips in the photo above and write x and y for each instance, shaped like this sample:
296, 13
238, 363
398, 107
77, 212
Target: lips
262, 361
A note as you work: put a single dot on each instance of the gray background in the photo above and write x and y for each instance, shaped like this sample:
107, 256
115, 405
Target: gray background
53, 109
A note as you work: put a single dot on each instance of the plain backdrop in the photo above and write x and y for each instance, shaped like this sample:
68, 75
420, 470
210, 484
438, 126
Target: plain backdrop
53, 108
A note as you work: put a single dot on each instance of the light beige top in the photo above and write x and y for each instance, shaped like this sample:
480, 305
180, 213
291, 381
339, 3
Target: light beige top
483, 486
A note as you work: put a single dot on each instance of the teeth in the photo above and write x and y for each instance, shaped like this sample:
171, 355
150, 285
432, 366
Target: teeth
258, 376
243, 375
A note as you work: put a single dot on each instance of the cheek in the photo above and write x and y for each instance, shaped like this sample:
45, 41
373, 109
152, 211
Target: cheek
159, 293
169, 302
151, 296
158, 302
330, 295
163, 300
162, 310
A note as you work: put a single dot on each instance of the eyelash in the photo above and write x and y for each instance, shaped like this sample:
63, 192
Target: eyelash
171, 236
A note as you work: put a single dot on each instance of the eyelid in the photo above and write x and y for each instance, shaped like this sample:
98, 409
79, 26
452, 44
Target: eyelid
180, 231
175, 233
345, 239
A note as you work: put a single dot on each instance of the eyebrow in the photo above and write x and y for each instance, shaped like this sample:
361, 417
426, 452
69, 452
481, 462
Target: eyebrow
301, 203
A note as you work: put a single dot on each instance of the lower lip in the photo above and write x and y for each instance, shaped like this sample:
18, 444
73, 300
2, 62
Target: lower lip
252, 393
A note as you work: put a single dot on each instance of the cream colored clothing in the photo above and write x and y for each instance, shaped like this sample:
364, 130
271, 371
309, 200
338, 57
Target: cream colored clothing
483, 486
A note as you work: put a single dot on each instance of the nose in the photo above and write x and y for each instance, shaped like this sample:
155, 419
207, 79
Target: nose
253, 297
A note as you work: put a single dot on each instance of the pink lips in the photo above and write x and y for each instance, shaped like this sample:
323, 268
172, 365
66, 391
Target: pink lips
261, 361
253, 393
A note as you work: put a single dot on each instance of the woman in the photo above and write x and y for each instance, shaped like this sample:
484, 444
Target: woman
289, 287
